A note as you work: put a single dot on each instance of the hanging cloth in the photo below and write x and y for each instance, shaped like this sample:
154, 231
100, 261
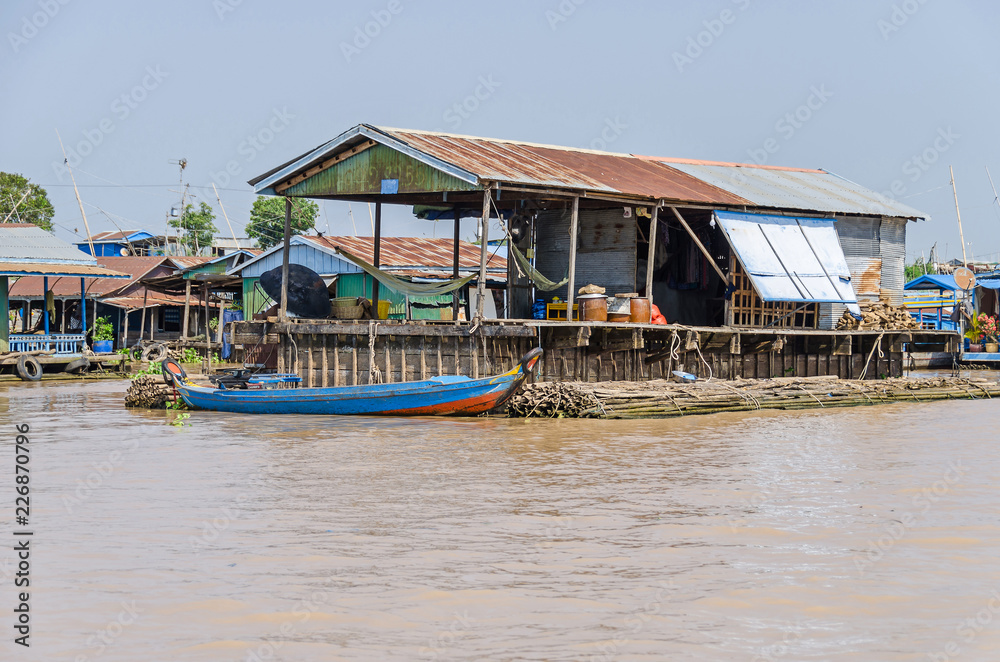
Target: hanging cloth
540, 281
405, 286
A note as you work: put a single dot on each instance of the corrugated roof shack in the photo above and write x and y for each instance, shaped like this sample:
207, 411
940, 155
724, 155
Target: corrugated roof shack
752, 265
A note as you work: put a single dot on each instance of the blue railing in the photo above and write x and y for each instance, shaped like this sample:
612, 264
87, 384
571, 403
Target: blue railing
62, 343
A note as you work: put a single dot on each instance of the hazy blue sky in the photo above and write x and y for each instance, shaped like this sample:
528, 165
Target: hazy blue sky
133, 86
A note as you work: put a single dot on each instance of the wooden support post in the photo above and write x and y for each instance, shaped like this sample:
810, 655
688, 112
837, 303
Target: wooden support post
651, 254
83, 309
283, 304
45, 303
124, 328
456, 295
701, 246
377, 257
574, 222
142, 327
483, 253
187, 308
208, 330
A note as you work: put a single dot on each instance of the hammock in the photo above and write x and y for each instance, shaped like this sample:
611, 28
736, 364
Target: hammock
404, 286
540, 281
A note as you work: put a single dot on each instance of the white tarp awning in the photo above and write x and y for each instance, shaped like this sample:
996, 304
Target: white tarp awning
789, 258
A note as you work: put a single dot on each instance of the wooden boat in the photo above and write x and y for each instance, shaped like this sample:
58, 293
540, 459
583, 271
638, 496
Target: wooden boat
439, 396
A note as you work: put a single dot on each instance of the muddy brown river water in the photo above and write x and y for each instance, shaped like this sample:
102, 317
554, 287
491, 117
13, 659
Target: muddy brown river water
857, 534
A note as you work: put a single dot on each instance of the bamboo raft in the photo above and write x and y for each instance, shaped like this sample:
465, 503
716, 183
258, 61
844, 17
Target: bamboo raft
664, 399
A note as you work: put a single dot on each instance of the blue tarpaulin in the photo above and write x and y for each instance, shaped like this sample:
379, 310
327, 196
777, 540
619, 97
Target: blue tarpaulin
789, 258
227, 317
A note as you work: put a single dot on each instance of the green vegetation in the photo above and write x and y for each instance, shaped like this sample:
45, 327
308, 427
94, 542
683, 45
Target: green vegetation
35, 208
197, 226
918, 269
267, 219
103, 329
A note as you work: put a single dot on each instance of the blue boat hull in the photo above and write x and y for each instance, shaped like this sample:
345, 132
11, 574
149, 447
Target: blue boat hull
440, 396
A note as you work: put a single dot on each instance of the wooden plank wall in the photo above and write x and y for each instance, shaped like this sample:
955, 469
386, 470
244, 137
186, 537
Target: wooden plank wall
340, 360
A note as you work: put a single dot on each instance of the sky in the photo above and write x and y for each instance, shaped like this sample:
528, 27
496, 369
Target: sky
886, 93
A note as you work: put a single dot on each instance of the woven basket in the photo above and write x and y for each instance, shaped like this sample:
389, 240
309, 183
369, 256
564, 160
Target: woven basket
344, 302
347, 312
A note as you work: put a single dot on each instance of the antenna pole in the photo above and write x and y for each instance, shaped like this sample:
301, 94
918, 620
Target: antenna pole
226, 216
965, 259
90, 240
996, 198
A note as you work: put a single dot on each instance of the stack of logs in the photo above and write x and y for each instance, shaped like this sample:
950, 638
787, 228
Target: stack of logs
878, 316
149, 392
660, 398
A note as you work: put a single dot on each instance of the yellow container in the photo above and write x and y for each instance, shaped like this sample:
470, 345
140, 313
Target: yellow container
383, 309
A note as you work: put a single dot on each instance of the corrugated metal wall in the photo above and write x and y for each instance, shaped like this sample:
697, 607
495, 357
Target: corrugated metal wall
875, 249
605, 253
893, 253
254, 299
360, 285
308, 256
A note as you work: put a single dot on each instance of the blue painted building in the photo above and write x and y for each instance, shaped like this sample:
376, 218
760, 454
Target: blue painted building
121, 244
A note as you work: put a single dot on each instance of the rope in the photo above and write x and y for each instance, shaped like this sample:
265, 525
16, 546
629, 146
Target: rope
374, 374
881, 354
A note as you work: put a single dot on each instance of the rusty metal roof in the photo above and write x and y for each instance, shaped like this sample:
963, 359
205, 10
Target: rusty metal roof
484, 161
414, 252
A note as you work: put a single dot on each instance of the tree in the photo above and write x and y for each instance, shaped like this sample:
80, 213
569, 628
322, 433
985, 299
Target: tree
35, 208
267, 219
197, 226
917, 269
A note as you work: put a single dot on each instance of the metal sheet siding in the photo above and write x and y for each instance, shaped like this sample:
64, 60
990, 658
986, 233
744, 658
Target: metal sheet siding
818, 191
320, 262
605, 253
789, 259
893, 252
861, 239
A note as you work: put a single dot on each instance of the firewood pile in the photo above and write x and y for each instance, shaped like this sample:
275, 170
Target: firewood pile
662, 399
878, 316
148, 392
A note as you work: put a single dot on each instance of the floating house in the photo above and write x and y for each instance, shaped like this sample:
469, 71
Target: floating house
28, 253
133, 310
412, 258
750, 265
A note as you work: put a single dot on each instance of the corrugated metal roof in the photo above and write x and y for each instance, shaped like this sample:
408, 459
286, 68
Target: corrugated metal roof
396, 253
29, 244
785, 188
415, 252
28, 270
790, 259
482, 160
134, 267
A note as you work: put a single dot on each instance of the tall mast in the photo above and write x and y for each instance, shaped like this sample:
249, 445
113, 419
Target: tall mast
86, 225
965, 259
